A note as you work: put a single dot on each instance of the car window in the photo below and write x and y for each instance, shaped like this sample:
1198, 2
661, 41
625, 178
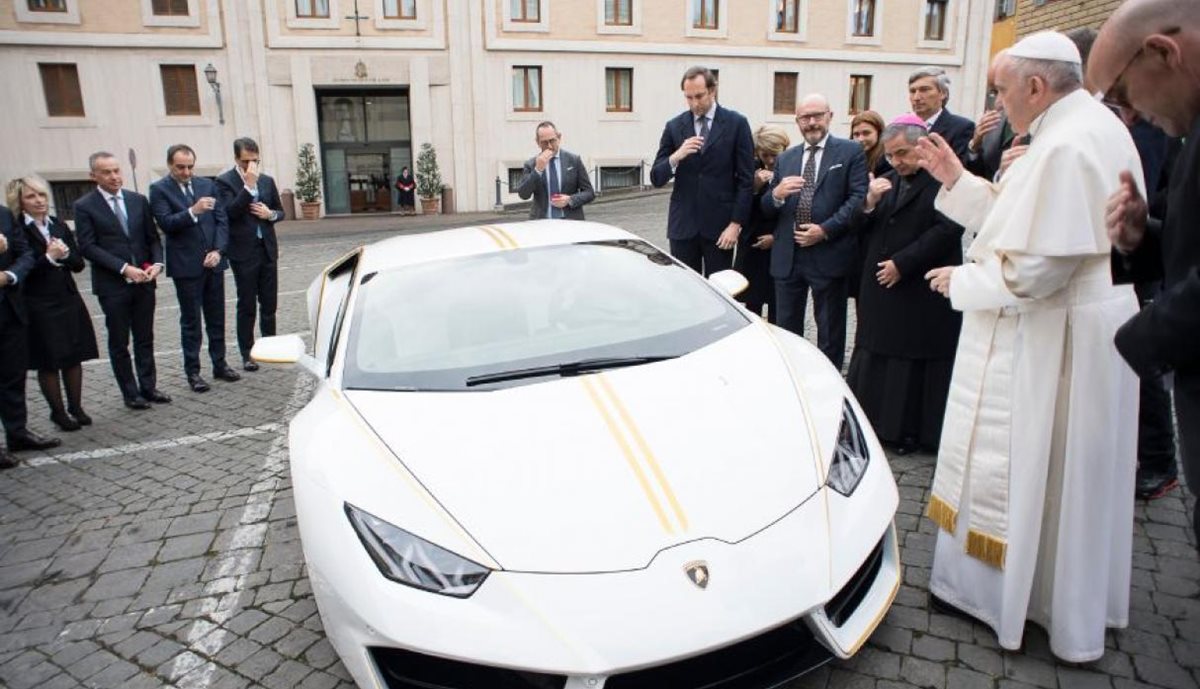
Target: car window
332, 294
433, 325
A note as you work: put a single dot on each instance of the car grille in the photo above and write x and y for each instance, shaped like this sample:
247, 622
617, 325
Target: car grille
408, 670
842, 606
762, 662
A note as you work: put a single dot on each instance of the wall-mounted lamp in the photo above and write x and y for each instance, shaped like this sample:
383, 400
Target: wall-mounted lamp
210, 73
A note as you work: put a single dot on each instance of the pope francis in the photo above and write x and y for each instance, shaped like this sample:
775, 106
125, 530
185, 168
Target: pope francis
1033, 491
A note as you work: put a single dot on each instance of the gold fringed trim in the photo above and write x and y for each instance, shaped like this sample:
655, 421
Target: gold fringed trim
942, 514
987, 549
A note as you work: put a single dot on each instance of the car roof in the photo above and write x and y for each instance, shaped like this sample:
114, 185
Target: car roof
483, 239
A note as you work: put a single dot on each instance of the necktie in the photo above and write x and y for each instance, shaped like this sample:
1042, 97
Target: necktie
704, 132
554, 188
804, 203
121, 218
187, 192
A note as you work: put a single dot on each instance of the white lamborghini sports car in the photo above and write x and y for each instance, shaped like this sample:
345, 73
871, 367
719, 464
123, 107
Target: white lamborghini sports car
545, 455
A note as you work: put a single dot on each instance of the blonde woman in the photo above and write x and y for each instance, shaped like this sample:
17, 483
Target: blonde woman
60, 329
755, 242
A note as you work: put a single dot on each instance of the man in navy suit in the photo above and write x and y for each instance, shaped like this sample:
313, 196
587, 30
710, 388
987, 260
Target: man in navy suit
16, 260
251, 202
196, 235
709, 152
117, 236
818, 186
928, 93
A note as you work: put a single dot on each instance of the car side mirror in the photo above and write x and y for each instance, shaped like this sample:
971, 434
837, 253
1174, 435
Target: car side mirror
730, 282
285, 350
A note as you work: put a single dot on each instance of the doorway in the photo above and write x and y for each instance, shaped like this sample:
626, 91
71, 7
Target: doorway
365, 141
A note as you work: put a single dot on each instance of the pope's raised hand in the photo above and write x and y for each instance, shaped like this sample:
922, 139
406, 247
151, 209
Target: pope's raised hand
939, 158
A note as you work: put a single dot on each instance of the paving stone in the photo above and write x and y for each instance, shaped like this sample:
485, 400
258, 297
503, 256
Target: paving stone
1030, 670
923, 673
959, 678
183, 547
1164, 673
117, 584
933, 648
1072, 678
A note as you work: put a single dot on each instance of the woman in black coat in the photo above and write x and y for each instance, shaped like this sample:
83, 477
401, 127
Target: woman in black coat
907, 334
61, 336
406, 199
753, 258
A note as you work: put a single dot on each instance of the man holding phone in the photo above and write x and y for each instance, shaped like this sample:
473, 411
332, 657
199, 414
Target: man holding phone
251, 201
556, 179
196, 237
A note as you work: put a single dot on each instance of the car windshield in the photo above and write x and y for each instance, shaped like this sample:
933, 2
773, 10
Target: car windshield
527, 316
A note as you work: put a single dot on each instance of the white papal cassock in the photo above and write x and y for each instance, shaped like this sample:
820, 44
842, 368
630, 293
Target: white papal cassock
1035, 476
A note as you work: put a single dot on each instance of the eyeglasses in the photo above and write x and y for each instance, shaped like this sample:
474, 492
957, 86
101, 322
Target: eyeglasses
1117, 95
811, 116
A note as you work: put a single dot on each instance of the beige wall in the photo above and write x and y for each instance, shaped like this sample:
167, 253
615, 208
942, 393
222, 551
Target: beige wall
346, 27
103, 17
746, 23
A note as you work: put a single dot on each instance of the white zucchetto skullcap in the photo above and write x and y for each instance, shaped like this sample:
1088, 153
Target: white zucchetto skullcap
1046, 45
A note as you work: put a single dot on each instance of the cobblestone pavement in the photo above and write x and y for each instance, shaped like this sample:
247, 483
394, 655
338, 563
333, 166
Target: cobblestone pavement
159, 548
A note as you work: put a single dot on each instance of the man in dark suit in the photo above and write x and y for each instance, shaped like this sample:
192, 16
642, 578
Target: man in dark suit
251, 202
928, 93
709, 153
817, 189
16, 260
116, 234
556, 179
1144, 60
196, 235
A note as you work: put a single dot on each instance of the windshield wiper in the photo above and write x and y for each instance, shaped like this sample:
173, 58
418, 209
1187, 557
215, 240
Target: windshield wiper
572, 368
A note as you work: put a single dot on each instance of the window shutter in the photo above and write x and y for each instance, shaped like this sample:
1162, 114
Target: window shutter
60, 83
180, 94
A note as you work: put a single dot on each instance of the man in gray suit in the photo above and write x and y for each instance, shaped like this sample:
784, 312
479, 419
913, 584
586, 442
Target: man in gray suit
556, 179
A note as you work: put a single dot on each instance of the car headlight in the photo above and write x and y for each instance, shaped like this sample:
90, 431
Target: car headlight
412, 560
850, 455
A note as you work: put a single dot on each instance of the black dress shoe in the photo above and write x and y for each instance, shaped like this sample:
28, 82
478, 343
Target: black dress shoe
157, 396
138, 402
249, 365
226, 373
1152, 486
197, 383
64, 421
27, 440
7, 459
80, 415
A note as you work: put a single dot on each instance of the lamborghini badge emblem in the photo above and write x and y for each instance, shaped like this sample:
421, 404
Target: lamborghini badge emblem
697, 572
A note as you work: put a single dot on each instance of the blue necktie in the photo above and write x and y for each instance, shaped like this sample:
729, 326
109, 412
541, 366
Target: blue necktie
187, 193
554, 188
120, 215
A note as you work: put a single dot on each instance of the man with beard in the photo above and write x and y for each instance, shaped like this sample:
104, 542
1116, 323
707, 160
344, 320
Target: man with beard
819, 185
1033, 491
1147, 58
904, 345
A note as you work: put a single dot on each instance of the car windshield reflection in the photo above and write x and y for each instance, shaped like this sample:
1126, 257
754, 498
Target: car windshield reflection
439, 325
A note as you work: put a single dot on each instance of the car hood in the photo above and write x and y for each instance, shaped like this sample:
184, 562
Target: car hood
600, 472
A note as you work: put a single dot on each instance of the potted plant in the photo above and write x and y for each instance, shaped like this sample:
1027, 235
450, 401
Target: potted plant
308, 183
429, 179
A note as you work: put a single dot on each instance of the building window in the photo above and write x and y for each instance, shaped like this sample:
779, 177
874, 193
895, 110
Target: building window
619, 89
47, 5
180, 94
864, 18
1005, 9
787, 16
935, 20
60, 82
66, 193
618, 12
860, 93
169, 8
704, 14
527, 11
400, 9
312, 9
620, 177
527, 89
785, 93
515, 175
